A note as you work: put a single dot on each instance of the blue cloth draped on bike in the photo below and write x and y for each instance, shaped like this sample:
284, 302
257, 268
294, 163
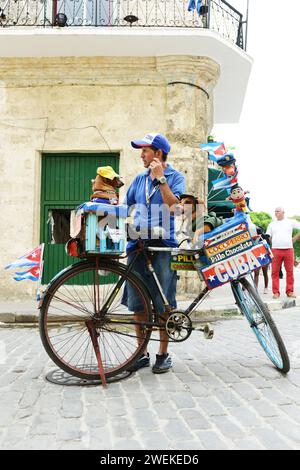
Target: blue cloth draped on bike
100, 208
195, 5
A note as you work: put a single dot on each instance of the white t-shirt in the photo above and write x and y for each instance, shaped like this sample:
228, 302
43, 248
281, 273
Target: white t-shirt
281, 232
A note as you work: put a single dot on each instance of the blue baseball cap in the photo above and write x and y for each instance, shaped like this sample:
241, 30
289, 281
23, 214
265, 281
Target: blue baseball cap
226, 159
159, 141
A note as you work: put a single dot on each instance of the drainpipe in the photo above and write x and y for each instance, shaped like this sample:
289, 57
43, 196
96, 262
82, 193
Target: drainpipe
208, 14
247, 18
54, 11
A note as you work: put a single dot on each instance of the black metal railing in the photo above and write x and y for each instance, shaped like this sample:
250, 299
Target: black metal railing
217, 15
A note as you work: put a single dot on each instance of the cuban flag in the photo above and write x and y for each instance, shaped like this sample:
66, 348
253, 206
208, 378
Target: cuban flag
33, 274
214, 149
224, 183
32, 260
194, 4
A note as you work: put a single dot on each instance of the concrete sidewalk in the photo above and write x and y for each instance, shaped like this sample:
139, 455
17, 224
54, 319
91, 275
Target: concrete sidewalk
219, 303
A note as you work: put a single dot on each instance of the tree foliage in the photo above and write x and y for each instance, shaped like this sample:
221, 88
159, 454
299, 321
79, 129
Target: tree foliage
261, 218
297, 244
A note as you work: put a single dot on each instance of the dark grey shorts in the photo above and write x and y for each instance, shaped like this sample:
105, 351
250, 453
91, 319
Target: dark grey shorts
167, 279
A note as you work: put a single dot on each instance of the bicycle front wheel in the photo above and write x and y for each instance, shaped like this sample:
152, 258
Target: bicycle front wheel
262, 324
76, 299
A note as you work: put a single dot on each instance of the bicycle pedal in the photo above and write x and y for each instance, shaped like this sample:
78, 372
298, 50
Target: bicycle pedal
207, 331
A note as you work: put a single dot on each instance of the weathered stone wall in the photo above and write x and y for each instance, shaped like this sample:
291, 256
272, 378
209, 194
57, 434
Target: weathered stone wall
190, 83
93, 105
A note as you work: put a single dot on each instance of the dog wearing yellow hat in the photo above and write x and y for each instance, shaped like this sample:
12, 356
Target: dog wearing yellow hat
105, 184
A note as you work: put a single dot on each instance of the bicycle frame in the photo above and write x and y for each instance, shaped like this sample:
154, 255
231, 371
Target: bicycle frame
98, 317
119, 284
158, 315
200, 297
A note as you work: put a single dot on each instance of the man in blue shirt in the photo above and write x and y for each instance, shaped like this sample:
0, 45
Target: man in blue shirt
153, 193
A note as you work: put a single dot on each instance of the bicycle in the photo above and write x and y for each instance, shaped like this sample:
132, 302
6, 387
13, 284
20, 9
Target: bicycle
88, 332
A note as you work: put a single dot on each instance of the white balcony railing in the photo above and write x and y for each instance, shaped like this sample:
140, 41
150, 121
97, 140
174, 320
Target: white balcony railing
217, 15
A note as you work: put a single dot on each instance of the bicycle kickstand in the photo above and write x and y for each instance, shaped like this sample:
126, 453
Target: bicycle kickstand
93, 336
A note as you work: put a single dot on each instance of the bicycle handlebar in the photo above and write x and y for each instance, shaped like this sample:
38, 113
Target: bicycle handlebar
172, 250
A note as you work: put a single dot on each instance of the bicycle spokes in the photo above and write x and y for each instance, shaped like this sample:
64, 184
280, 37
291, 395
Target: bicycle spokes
78, 335
261, 324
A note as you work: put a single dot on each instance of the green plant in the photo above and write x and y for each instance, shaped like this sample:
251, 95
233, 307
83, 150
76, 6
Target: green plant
297, 244
261, 218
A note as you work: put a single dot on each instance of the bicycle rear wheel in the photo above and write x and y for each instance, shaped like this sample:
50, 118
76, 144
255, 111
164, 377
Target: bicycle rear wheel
74, 300
262, 324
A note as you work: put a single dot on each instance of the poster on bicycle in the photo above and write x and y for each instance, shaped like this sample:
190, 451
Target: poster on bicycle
236, 266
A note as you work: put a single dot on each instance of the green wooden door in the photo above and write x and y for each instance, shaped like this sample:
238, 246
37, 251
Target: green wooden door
66, 183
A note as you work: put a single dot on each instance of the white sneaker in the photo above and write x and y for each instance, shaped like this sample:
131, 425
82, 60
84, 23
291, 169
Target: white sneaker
266, 290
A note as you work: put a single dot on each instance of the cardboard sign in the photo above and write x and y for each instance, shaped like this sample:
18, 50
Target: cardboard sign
228, 243
182, 262
223, 234
236, 266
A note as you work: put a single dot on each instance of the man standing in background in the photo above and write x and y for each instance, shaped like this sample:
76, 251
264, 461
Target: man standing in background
281, 233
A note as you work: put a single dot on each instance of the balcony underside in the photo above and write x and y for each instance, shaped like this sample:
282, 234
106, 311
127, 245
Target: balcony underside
234, 63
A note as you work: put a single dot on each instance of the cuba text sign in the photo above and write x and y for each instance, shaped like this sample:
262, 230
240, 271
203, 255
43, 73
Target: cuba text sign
236, 266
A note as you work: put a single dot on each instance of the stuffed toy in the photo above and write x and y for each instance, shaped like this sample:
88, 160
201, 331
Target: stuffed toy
237, 196
227, 163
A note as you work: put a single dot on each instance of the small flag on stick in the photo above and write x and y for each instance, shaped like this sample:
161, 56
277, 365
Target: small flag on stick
32, 260
214, 149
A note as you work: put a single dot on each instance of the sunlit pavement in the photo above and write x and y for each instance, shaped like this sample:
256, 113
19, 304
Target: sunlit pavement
221, 394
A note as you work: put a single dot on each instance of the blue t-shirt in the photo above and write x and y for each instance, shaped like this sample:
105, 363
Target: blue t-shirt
154, 213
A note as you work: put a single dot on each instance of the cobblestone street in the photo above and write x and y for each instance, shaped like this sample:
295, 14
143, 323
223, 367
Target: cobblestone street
221, 394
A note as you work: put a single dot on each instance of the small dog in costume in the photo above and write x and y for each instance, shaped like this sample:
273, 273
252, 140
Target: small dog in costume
105, 184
